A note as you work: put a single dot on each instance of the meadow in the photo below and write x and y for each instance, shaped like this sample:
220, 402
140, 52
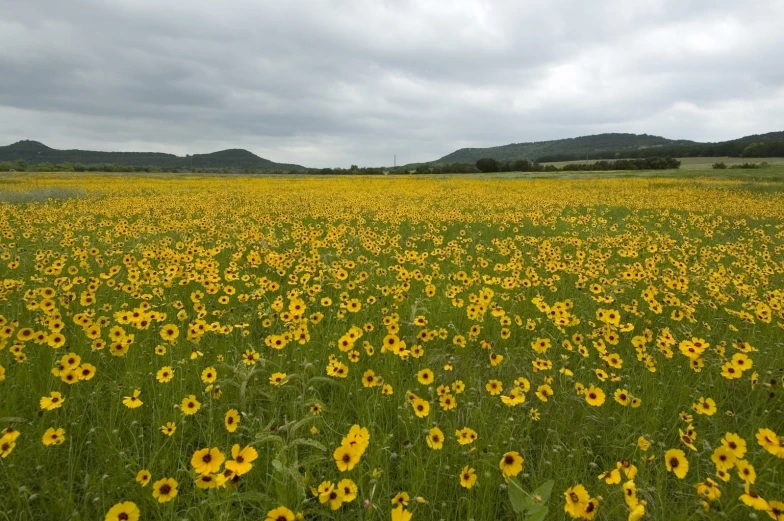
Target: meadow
406, 348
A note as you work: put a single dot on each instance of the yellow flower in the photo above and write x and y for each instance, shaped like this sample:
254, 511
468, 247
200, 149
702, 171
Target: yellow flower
576, 500
746, 471
421, 407
170, 332
638, 512
209, 375
723, 457
467, 477
349, 490
346, 457
143, 477
7, 443
751, 499
278, 378
435, 439
127, 511
241, 464
594, 396
511, 464
425, 377
705, 406
207, 461
232, 420
132, 402
494, 387
208, 481
169, 428
399, 514
466, 435
53, 401
190, 405
328, 493
769, 441
164, 490
165, 374
280, 514
676, 462
734, 443
53, 436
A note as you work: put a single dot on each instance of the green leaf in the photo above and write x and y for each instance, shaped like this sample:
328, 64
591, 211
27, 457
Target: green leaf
543, 491
304, 421
309, 443
517, 495
249, 496
12, 419
261, 439
538, 514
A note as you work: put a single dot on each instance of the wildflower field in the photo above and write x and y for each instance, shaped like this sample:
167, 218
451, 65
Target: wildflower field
235, 348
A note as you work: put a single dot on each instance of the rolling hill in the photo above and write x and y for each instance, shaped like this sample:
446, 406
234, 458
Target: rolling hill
577, 145
35, 153
614, 146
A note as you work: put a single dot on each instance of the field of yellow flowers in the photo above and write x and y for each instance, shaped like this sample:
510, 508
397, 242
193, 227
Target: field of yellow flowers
233, 348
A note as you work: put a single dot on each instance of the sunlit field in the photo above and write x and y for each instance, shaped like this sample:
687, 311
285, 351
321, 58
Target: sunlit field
232, 348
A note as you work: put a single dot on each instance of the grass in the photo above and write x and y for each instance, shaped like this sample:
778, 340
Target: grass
38, 195
237, 266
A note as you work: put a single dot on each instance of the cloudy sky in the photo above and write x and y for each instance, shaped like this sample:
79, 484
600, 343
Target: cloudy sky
336, 82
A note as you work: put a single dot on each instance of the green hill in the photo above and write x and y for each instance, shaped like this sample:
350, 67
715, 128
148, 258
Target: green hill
578, 145
622, 146
35, 153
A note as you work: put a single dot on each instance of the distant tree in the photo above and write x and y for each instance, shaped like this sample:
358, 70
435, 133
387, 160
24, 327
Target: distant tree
488, 164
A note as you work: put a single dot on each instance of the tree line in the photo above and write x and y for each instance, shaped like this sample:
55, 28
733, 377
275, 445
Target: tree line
484, 165
649, 163
726, 149
24, 166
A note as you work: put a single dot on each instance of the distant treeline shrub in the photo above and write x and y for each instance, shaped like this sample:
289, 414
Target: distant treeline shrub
23, 166
772, 148
649, 163
484, 165
722, 166
749, 165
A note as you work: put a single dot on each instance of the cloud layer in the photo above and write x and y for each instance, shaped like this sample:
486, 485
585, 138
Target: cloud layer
336, 82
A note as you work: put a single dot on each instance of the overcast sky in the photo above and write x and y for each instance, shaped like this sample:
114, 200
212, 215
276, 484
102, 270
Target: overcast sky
331, 83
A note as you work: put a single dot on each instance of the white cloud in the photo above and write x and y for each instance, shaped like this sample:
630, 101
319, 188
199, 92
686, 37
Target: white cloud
336, 82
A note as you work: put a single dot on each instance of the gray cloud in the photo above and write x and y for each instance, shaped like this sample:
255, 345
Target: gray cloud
321, 82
